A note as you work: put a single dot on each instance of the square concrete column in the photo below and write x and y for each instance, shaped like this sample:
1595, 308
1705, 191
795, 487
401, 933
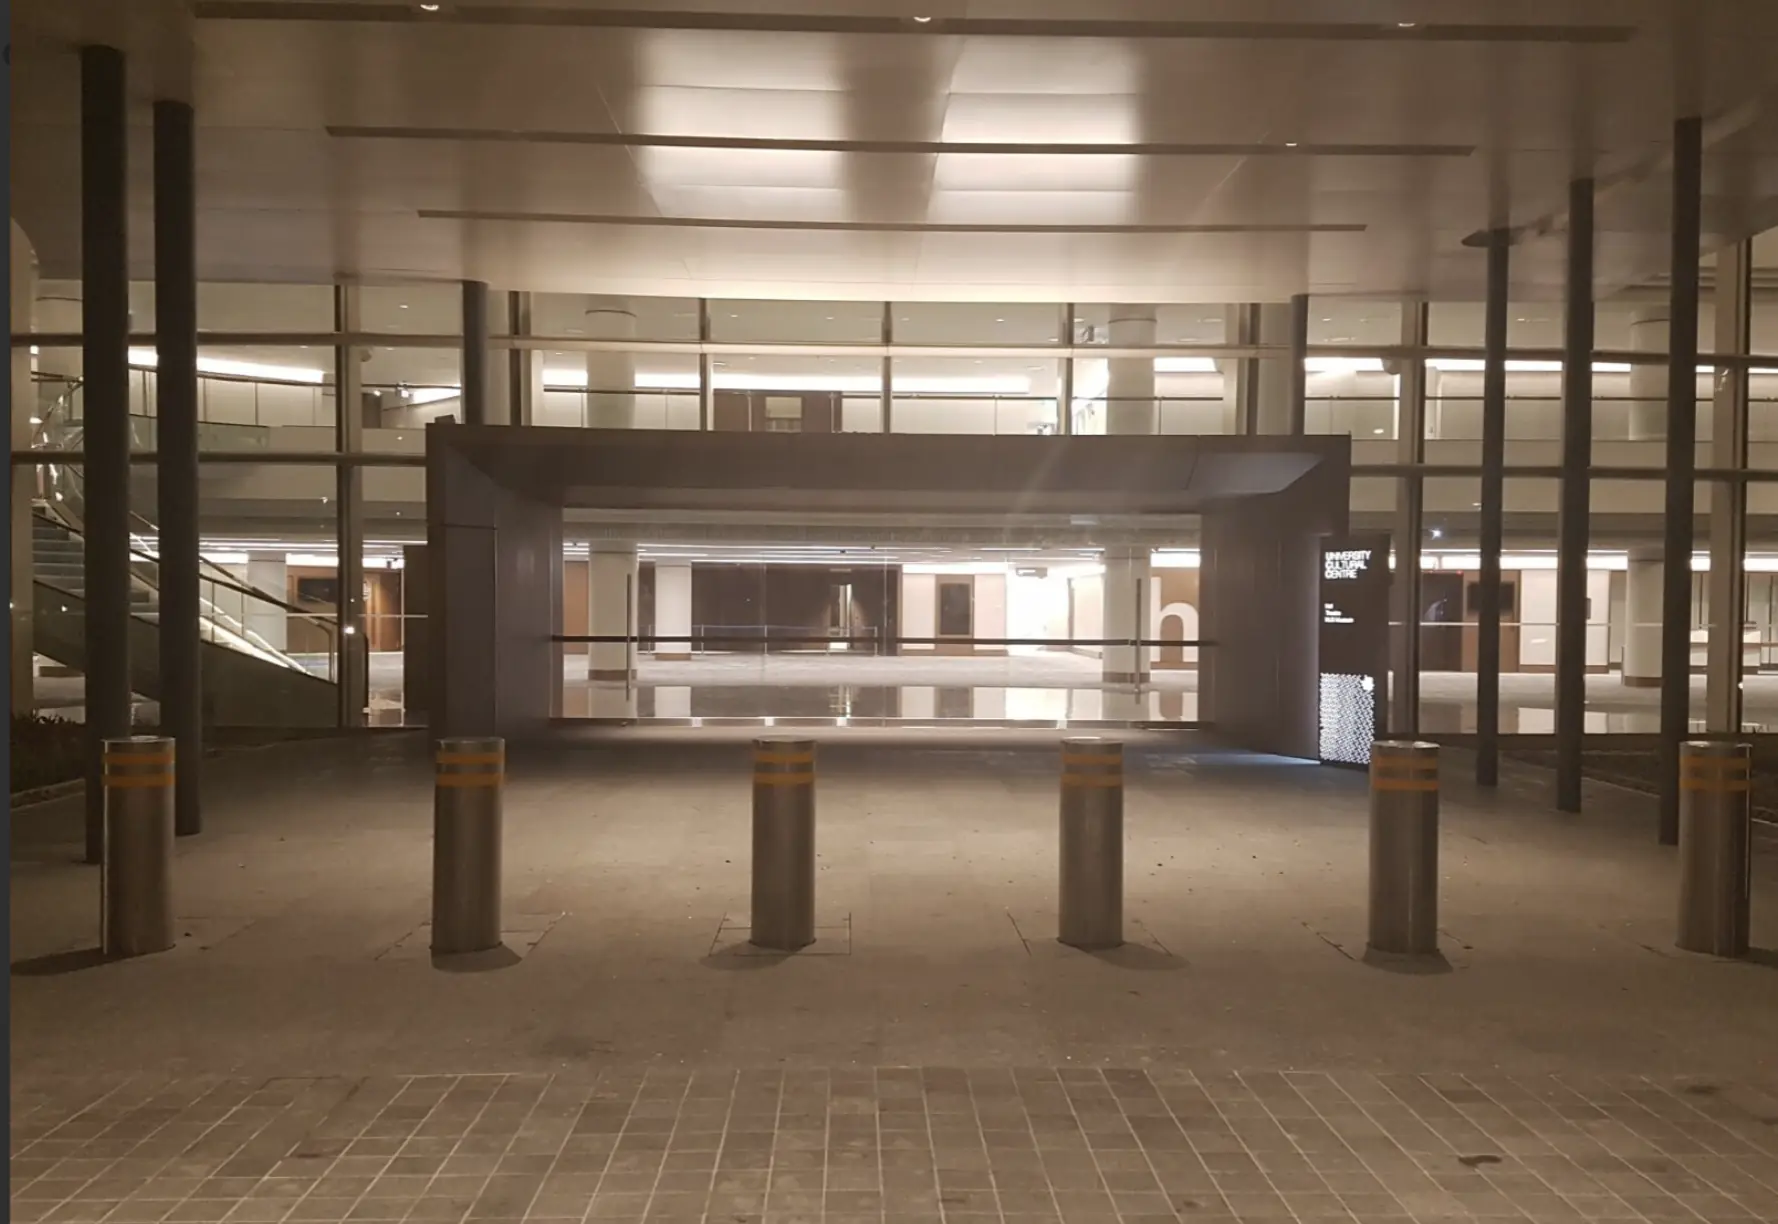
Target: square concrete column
1642, 617
1129, 392
672, 612
610, 376
1127, 590
270, 573
611, 603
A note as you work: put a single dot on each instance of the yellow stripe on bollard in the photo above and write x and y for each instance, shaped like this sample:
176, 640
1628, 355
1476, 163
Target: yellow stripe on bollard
783, 758
1404, 784
471, 758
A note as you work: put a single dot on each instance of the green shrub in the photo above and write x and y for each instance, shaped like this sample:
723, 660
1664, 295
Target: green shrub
45, 751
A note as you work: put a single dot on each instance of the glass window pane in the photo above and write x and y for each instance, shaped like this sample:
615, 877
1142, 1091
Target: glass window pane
977, 323
1345, 321
1189, 323
264, 308
56, 613
744, 322
419, 309
606, 317
997, 395
619, 390
264, 397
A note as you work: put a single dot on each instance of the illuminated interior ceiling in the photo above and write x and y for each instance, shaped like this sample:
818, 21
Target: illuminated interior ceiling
1011, 150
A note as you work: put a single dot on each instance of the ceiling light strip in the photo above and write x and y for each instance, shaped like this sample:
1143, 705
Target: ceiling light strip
840, 23
633, 140
869, 227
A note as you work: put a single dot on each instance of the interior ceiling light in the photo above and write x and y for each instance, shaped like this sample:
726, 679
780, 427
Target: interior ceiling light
922, 20
429, 8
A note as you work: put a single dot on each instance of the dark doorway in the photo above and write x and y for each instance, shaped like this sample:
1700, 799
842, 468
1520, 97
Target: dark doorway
1441, 622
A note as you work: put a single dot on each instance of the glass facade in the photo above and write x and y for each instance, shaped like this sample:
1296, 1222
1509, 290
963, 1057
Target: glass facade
281, 448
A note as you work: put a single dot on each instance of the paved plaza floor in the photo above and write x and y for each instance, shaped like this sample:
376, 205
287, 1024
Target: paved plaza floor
935, 1058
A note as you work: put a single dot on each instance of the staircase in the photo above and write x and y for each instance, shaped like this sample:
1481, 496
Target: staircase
246, 681
59, 560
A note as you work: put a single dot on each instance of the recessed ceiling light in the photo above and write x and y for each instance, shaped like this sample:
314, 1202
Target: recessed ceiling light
1407, 25
922, 20
404, 305
1290, 144
429, 8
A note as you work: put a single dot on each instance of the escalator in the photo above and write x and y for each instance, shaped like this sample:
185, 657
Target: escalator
247, 680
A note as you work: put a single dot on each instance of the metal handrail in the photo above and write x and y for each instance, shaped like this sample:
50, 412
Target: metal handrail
66, 516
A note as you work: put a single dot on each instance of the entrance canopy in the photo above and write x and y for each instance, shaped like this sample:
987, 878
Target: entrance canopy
644, 469
495, 497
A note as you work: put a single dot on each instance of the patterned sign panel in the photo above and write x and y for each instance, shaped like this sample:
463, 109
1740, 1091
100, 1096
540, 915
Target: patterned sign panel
1354, 646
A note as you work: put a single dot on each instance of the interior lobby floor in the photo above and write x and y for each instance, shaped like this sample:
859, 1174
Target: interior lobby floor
935, 1058
1050, 686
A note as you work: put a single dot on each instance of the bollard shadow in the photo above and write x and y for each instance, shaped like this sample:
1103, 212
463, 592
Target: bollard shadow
730, 960
1408, 964
489, 961
58, 963
1140, 957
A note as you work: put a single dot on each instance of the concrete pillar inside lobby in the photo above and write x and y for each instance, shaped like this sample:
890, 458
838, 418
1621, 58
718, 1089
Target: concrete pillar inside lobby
1642, 617
24, 402
1648, 383
1128, 578
610, 376
1271, 401
1129, 392
270, 573
672, 612
611, 603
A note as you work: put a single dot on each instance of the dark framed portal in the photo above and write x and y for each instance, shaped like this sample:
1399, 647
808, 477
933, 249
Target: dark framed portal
1264, 505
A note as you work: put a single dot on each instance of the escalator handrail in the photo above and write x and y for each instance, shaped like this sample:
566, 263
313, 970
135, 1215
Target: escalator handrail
212, 572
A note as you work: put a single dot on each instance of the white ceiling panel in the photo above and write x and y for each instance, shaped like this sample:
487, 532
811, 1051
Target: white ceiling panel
1043, 118
607, 112
1035, 172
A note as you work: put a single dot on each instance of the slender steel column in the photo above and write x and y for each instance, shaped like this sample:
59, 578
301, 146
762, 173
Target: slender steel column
706, 371
1728, 498
1575, 505
176, 446
1410, 514
1299, 353
105, 325
1493, 525
354, 658
521, 389
886, 389
1244, 322
475, 352
1065, 408
1682, 462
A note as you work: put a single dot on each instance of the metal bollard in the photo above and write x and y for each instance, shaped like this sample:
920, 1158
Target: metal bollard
783, 844
136, 895
1091, 901
466, 827
1715, 848
1404, 849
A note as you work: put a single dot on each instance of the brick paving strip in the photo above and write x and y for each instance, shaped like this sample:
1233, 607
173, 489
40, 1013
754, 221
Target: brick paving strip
893, 1146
